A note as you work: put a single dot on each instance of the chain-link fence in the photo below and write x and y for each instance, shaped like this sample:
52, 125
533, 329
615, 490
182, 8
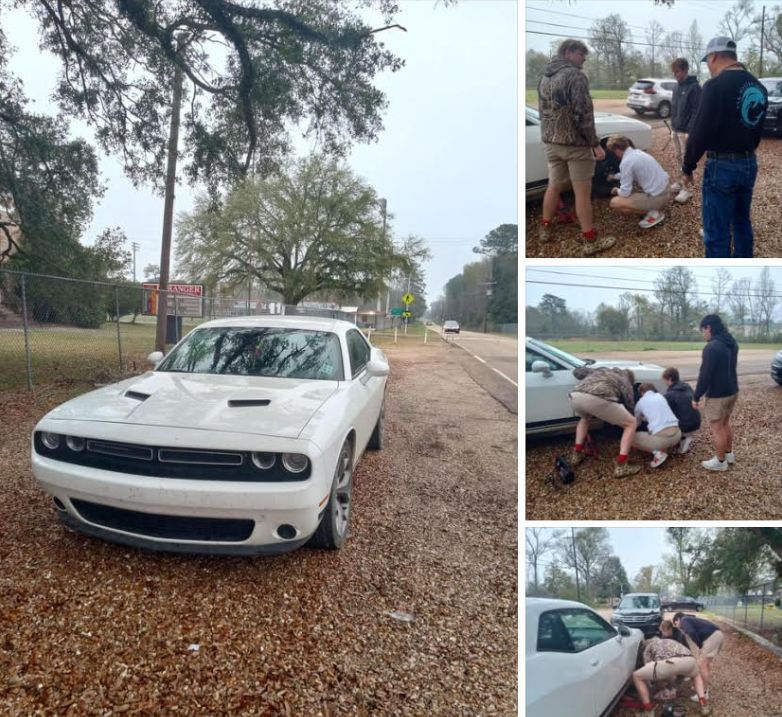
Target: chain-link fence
54, 328
758, 610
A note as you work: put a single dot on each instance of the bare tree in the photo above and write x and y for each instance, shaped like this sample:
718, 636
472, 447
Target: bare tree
719, 286
655, 32
609, 36
766, 299
737, 300
694, 48
737, 21
540, 541
675, 45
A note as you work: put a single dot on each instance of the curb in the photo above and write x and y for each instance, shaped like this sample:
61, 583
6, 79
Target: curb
762, 641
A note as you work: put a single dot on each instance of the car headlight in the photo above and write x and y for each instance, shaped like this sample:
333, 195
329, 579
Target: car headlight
295, 462
75, 443
50, 440
264, 461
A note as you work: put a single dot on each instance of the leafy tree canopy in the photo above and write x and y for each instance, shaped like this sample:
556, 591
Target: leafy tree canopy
502, 241
313, 228
253, 70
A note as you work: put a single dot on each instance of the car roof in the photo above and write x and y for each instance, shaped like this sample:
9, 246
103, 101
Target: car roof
313, 323
540, 605
656, 79
642, 594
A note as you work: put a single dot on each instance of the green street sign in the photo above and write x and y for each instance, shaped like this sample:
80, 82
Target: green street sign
397, 311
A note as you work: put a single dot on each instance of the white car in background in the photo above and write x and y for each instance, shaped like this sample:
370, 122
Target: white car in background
549, 379
606, 124
576, 662
242, 440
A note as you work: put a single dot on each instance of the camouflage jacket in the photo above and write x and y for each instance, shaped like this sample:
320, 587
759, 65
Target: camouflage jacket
566, 112
611, 384
657, 650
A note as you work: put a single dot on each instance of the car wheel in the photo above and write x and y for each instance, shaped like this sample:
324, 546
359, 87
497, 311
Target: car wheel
664, 110
777, 380
333, 528
639, 657
637, 111
376, 439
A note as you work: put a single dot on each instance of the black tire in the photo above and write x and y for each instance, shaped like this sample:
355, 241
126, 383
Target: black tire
777, 380
333, 529
637, 111
376, 439
664, 110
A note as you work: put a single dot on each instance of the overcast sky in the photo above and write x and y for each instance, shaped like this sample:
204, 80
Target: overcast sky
561, 18
446, 162
584, 287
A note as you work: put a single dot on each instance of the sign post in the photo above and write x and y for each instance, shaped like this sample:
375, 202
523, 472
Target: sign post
408, 299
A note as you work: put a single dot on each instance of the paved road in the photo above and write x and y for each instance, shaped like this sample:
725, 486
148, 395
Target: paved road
620, 108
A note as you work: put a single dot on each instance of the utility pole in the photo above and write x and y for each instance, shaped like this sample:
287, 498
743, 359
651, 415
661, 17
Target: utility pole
134, 247
383, 208
575, 563
168, 207
762, 34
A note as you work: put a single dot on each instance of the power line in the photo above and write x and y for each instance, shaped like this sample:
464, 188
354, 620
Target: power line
750, 295
580, 17
699, 277
682, 46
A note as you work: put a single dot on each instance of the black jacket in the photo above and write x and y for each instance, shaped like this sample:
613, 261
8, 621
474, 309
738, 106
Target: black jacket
697, 629
686, 100
730, 116
717, 377
679, 397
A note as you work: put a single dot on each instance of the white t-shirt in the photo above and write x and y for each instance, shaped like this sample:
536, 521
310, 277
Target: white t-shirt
655, 409
637, 166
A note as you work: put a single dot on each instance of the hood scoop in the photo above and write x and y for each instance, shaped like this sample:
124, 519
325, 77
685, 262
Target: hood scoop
137, 395
248, 402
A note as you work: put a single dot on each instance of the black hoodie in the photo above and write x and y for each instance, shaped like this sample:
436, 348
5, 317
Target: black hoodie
679, 397
686, 100
717, 377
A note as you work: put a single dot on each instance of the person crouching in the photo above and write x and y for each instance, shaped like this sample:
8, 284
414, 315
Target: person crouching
636, 166
663, 430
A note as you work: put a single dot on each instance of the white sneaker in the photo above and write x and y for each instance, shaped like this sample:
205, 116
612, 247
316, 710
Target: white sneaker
652, 218
684, 444
700, 231
715, 464
683, 196
659, 458
730, 458
695, 698
676, 186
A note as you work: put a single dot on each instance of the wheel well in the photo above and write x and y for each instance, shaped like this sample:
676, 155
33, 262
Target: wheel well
352, 438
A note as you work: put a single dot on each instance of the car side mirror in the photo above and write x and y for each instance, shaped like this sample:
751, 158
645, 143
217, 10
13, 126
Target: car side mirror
623, 630
377, 364
541, 367
155, 357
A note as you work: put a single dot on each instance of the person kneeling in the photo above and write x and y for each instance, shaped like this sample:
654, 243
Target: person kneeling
643, 169
663, 425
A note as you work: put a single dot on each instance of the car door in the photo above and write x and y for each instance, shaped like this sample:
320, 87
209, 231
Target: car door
535, 164
546, 393
366, 392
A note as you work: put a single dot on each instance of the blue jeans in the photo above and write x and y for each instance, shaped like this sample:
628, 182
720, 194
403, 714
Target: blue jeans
727, 196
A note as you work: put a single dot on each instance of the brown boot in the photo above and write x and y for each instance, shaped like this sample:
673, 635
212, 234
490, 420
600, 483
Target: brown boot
595, 246
577, 458
625, 470
545, 232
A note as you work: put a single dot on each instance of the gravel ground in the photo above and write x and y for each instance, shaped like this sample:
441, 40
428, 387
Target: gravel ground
746, 681
680, 489
678, 235
91, 628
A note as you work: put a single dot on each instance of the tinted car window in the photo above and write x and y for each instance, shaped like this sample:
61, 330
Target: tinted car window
552, 635
531, 357
571, 630
639, 602
642, 85
358, 350
249, 351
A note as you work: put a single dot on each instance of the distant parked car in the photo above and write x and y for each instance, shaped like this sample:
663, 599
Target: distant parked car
776, 368
681, 603
606, 124
652, 95
451, 327
639, 610
773, 120
549, 379
576, 663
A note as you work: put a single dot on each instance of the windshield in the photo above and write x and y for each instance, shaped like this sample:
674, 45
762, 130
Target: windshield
639, 602
563, 355
774, 87
246, 351
642, 84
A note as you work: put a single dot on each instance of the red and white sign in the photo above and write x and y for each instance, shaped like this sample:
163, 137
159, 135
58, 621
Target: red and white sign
183, 299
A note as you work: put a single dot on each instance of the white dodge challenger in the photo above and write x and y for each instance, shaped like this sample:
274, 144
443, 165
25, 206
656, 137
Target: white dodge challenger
243, 440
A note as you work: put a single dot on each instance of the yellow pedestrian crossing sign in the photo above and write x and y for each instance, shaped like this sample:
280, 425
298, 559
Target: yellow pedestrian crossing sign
407, 314
408, 299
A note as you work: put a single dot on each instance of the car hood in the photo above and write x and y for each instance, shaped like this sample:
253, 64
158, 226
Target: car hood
204, 401
634, 366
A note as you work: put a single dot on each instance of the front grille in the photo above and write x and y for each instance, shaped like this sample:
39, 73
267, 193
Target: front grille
168, 462
173, 527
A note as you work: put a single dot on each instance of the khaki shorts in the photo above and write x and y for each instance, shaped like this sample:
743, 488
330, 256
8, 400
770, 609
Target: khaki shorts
718, 408
672, 667
564, 161
587, 406
656, 442
712, 644
639, 200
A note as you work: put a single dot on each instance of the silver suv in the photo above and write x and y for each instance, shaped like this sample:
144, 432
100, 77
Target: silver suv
652, 95
640, 610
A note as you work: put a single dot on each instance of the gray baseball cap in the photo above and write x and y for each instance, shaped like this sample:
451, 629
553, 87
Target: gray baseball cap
719, 44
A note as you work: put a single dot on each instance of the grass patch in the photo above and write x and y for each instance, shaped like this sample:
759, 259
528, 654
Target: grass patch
585, 346
531, 95
772, 616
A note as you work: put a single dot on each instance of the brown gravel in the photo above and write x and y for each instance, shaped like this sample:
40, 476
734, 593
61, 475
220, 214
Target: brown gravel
91, 628
746, 681
680, 489
678, 235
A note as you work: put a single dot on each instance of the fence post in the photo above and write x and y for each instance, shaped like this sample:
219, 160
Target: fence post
26, 336
426, 333
762, 607
119, 337
746, 605
394, 334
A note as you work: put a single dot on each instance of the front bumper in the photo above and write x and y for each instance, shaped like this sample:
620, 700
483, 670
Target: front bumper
179, 515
